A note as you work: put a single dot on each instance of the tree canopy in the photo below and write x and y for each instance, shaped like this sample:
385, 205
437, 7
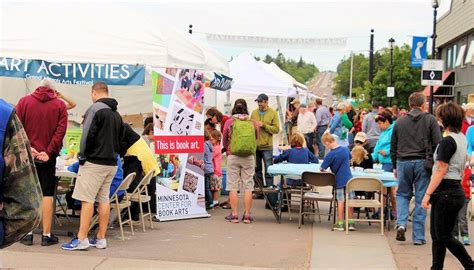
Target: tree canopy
301, 70
406, 79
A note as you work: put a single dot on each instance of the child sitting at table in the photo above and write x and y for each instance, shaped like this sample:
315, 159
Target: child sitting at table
296, 154
338, 160
361, 158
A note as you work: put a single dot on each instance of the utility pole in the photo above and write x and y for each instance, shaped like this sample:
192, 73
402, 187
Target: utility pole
371, 61
435, 5
352, 68
391, 41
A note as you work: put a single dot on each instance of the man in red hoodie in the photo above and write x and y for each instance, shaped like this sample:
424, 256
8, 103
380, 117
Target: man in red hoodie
44, 118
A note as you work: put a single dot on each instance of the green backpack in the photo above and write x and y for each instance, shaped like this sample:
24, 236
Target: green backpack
243, 142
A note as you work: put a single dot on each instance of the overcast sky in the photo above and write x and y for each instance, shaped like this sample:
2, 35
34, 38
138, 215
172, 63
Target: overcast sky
353, 19
316, 19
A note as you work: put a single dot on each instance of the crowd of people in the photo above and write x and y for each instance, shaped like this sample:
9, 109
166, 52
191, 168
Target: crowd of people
110, 149
414, 145
431, 157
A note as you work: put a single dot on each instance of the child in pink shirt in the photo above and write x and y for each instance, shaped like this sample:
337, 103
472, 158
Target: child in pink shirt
216, 180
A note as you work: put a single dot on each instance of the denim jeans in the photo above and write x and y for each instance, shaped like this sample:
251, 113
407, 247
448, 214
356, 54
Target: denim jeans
207, 189
267, 157
351, 137
309, 141
387, 167
446, 202
412, 175
319, 134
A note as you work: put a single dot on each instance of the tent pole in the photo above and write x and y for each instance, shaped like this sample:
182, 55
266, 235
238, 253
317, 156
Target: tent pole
282, 120
227, 103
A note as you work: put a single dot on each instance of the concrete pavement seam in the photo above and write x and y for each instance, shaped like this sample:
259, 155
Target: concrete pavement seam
101, 262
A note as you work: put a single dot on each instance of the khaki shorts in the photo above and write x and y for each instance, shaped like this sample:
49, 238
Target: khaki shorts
240, 171
93, 183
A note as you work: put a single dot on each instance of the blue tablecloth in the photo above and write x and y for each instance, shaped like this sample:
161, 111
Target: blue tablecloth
387, 178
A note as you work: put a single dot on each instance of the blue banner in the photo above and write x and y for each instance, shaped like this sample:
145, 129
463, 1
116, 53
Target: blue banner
73, 73
418, 51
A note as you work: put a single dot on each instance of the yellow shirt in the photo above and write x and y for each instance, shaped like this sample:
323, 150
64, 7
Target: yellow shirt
143, 152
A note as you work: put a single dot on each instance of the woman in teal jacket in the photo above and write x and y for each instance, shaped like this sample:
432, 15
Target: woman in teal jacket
381, 152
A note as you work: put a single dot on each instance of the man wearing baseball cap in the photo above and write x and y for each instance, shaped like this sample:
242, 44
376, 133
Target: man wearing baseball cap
268, 122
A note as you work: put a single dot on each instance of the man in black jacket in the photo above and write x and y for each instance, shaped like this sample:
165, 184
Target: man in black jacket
100, 145
414, 139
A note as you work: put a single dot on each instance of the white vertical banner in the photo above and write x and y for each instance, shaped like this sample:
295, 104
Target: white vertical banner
178, 114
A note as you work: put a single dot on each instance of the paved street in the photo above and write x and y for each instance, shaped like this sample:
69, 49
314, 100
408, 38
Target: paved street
321, 85
211, 243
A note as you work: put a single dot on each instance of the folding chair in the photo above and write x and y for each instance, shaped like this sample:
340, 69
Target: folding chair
119, 205
291, 194
260, 189
140, 195
317, 179
369, 185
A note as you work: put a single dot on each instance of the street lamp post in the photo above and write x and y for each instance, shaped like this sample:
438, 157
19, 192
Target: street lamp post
435, 5
391, 41
350, 81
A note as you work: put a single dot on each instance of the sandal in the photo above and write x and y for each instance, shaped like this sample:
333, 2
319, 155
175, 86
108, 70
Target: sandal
232, 218
247, 219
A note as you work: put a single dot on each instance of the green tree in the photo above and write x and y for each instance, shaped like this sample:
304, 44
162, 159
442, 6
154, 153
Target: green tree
300, 70
359, 74
406, 79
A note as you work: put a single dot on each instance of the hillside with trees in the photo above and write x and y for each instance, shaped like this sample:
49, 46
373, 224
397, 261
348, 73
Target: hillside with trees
301, 70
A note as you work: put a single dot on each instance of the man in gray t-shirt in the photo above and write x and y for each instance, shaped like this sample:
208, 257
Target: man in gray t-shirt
370, 127
323, 117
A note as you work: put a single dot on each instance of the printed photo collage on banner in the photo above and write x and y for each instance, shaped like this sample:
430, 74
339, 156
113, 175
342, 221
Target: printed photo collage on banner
178, 104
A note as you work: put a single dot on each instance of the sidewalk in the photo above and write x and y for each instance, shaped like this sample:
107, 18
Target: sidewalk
365, 248
209, 241
212, 243
17, 260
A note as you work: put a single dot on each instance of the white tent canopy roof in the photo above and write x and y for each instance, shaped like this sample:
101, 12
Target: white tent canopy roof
277, 71
99, 33
251, 77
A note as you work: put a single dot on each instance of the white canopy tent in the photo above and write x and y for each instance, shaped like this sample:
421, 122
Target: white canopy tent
250, 79
97, 33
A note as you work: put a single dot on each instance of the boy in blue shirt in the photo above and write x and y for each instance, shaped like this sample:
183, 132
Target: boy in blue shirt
338, 159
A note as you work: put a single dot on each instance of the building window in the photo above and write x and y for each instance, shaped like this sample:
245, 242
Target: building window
449, 58
470, 52
460, 56
455, 50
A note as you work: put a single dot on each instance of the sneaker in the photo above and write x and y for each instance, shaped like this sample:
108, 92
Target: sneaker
419, 242
466, 241
352, 226
49, 240
76, 244
247, 219
98, 243
401, 233
28, 240
339, 226
232, 218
